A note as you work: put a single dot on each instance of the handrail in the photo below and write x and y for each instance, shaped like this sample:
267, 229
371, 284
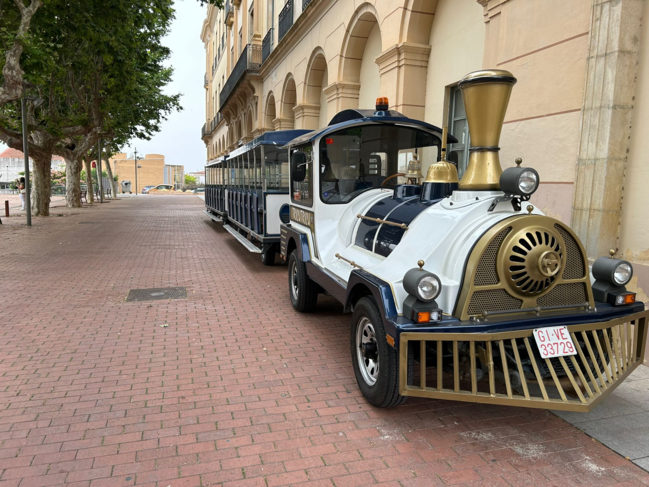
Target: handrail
383, 222
285, 20
350, 262
267, 44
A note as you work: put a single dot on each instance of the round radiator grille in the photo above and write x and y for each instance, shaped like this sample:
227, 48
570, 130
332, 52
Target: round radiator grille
534, 259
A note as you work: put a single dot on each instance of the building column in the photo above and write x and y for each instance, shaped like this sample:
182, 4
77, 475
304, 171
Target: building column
306, 116
342, 95
283, 124
404, 69
606, 123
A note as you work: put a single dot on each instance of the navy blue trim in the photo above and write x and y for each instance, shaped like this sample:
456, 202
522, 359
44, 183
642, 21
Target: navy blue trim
301, 242
449, 324
329, 284
393, 118
277, 138
382, 294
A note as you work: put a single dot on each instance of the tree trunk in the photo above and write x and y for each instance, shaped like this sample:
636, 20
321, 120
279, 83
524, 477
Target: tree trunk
90, 195
73, 183
113, 183
41, 192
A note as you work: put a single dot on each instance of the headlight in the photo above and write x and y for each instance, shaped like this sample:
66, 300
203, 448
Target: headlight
425, 286
622, 274
614, 271
428, 288
521, 181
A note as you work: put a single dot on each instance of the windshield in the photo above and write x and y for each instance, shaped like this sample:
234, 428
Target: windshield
371, 156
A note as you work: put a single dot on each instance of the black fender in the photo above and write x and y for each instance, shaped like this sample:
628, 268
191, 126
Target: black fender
289, 233
381, 291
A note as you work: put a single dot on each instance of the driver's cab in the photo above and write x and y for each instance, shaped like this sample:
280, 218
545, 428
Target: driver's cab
363, 159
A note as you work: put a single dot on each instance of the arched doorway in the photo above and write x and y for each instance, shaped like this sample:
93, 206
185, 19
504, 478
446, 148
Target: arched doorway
288, 102
317, 78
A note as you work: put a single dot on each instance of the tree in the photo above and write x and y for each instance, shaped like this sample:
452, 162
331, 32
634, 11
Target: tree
99, 67
190, 180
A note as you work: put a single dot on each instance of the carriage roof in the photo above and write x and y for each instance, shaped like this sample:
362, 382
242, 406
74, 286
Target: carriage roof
351, 117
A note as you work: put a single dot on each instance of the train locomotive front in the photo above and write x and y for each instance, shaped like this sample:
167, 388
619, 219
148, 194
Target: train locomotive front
458, 289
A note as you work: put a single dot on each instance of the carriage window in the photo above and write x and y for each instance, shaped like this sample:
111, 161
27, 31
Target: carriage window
368, 157
276, 161
302, 191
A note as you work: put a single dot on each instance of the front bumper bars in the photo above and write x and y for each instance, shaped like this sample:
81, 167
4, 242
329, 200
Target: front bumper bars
505, 368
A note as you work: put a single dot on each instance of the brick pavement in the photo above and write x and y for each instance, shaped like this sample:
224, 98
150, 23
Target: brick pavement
237, 389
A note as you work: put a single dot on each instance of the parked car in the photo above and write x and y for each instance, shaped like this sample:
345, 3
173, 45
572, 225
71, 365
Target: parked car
146, 189
199, 190
161, 187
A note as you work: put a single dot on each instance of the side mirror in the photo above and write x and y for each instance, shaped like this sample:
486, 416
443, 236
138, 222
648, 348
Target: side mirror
298, 166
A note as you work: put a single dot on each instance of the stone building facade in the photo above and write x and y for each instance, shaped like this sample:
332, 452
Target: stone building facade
577, 114
151, 172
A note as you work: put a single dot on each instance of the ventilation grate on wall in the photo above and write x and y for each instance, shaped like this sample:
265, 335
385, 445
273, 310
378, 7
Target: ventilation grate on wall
156, 294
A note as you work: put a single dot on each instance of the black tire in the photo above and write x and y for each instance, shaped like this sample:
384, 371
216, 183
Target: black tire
268, 255
384, 391
302, 290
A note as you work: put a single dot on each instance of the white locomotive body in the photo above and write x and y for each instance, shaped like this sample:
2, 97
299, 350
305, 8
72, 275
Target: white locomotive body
464, 278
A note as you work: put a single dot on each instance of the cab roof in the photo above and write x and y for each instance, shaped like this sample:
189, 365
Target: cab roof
351, 117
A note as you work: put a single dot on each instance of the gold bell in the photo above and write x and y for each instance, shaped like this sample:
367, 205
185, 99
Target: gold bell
442, 171
414, 170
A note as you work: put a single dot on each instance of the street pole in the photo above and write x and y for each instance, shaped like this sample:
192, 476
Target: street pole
135, 157
28, 199
100, 185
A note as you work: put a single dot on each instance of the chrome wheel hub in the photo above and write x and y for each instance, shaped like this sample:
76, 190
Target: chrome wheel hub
367, 352
294, 282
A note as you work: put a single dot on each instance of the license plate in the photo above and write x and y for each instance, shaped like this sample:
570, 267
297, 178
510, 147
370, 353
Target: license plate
554, 342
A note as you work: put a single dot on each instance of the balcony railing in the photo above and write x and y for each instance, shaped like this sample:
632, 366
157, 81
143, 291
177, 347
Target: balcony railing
250, 60
205, 81
267, 45
229, 12
305, 4
285, 20
204, 132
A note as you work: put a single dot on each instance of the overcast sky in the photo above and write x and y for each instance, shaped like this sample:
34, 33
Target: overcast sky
179, 139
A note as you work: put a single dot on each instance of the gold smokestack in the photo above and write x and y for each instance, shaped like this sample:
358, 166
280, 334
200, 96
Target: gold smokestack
486, 95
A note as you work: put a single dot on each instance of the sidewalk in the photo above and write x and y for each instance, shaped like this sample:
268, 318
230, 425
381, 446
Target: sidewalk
228, 385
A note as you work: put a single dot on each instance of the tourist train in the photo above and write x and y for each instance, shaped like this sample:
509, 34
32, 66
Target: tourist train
458, 289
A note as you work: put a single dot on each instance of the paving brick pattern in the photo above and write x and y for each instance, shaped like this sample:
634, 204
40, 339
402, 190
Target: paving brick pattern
227, 387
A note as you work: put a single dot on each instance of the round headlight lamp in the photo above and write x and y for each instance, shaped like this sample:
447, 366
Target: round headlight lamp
520, 181
615, 271
424, 285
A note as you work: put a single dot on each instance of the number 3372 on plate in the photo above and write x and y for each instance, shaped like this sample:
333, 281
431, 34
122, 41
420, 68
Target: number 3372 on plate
554, 342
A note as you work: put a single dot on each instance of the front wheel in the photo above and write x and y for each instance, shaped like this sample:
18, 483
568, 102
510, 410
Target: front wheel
303, 291
376, 364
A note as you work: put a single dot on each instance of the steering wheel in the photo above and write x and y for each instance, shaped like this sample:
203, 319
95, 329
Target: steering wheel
390, 177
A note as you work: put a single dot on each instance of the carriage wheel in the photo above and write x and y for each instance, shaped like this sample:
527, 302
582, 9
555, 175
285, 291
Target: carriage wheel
303, 291
376, 364
268, 254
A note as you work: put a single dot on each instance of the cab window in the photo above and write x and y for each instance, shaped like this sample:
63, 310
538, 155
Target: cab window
357, 159
302, 191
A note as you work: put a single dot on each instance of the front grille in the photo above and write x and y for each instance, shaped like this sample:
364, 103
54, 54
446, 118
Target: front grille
486, 273
564, 294
574, 260
493, 300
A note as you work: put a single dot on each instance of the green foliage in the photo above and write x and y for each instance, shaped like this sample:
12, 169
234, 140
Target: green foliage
216, 3
189, 180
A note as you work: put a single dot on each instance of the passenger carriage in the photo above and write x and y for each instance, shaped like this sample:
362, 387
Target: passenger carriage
459, 289
247, 190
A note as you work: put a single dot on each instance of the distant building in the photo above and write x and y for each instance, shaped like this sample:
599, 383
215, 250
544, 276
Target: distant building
12, 163
150, 171
174, 175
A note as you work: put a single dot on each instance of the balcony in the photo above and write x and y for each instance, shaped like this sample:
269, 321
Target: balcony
205, 81
249, 63
267, 45
204, 131
229, 13
285, 20
305, 4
